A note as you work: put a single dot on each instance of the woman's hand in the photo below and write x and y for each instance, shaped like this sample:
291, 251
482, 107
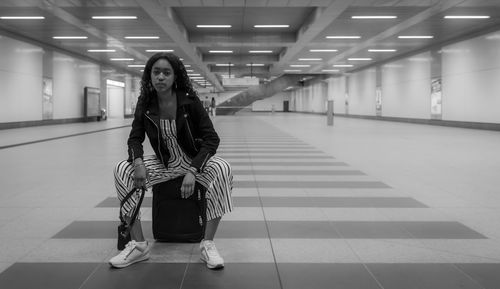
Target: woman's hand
188, 183
140, 176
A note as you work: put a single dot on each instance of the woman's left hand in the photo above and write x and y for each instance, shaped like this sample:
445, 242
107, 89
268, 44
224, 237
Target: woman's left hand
188, 183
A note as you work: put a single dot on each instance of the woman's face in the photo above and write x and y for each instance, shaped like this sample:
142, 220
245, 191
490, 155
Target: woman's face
162, 75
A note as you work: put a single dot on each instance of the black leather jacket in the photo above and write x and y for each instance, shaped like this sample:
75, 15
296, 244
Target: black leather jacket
195, 132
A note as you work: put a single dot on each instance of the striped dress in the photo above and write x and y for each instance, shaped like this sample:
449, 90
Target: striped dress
216, 176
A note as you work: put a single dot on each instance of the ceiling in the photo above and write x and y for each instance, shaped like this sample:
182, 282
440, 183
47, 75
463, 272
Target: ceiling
309, 22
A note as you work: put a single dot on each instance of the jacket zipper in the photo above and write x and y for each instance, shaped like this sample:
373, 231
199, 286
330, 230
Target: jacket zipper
189, 130
159, 139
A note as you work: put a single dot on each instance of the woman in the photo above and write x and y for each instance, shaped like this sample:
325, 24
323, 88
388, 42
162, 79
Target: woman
184, 141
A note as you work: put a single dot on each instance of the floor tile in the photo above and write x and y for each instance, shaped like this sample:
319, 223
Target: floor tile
241, 276
296, 172
163, 252
428, 276
313, 251
286, 163
143, 275
484, 274
305, 184
302, 229
321, 276
440, 230
72, 251
370, 230
46, 275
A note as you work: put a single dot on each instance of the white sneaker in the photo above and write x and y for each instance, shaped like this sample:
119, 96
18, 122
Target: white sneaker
210, 255
134, 252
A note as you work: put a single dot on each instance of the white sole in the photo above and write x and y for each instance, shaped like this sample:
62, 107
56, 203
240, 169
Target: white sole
218, 266
144, 258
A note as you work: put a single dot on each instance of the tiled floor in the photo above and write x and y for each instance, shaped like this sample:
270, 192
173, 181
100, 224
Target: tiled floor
361, 204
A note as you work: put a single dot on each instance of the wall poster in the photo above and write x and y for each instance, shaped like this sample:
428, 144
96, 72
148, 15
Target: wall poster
436, 98
47, 99
378, 101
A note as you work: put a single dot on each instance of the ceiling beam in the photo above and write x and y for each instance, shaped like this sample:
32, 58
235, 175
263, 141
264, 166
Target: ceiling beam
439, 7
165, 17
320, 20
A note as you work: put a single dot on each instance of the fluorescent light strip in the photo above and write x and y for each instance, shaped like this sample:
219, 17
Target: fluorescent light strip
189, 70
466, 17
159, 50
114, 17
255, 64
187, 65
343, 37
220, 51
121, 59
359, 59
300, 65
101, 50
310, 59
343, 65
137, 65
142, 37
292, 70
374, 17
214, 26
69, 37
260, 51
224, 64
415, 36
330, 70
271, 26
323, 50
197, 77
381, 50
22, 17
194, 74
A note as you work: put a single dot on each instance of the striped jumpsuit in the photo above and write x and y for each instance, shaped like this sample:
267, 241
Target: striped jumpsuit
216, 176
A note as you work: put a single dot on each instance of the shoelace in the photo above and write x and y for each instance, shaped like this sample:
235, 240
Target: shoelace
211, 250
128, 249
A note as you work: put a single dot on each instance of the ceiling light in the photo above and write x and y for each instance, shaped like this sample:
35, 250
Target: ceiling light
213, 26
343, 65
196, 77
142, 37
114, 17
255, 64
189, 70
292, 70
323, 50
359, 59
415, 36
194, 74
330, 70
466, 17
310, 59
187, 65
220, 51
69, 37
381, 50
271, 26
121, 59
224, 64
21, 17
260, 51
300, 65
101, 50
374, 17
159, 50
137, 65
343, 37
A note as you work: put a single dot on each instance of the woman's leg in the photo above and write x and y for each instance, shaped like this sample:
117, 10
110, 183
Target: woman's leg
211, 228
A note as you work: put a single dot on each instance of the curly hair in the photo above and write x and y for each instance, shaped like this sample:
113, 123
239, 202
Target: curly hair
181, 83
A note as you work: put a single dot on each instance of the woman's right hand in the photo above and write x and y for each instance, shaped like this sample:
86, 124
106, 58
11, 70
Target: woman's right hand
140, 176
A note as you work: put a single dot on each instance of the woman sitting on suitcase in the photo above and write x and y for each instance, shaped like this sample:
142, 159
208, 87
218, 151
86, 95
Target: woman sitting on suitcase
183, 138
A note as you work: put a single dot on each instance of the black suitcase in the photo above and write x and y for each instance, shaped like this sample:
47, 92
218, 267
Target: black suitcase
176, 219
